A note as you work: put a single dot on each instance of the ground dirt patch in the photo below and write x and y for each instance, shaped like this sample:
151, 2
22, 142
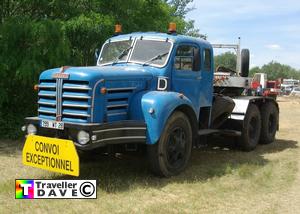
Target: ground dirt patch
219, 179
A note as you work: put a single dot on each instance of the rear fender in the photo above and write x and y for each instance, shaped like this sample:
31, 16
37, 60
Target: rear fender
157, 106
242, 104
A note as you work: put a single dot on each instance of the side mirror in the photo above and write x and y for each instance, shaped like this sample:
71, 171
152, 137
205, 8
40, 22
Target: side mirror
97, 52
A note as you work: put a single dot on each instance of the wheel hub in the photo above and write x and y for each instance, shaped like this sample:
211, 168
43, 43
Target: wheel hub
176, 147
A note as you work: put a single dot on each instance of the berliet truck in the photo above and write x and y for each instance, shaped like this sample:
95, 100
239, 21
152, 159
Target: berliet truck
157, 92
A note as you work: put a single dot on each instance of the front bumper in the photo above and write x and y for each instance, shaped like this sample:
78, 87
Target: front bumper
121, 132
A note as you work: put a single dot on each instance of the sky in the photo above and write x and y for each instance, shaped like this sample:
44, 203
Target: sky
269, 28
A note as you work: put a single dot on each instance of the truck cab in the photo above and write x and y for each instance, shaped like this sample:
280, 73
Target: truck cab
151, 89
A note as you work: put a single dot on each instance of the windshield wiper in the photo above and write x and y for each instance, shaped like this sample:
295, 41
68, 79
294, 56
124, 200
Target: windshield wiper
157, 57
123, 53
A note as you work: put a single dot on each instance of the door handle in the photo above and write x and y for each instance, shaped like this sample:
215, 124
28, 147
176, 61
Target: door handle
198, 78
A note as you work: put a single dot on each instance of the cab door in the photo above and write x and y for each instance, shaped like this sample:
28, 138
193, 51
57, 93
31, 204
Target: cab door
186, 76
192, 74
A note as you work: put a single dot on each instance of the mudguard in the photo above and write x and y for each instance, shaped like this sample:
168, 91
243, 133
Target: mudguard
242, 102
157, 106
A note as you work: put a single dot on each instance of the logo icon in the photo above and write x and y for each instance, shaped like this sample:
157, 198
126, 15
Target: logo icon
87, 189
24, 189
61, 76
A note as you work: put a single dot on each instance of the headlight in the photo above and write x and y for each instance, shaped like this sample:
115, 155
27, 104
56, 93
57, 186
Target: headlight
23, 128
83, 137
31, 129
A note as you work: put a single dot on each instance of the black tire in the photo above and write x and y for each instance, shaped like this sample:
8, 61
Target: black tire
251, 129
170, 155
269, 122
245, 60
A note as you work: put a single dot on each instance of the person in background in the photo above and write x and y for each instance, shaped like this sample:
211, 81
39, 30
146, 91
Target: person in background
259, 90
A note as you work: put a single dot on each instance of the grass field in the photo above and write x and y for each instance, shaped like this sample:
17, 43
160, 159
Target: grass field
219, 179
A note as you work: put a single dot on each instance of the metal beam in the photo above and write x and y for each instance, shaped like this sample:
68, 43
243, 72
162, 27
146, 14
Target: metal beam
237, 48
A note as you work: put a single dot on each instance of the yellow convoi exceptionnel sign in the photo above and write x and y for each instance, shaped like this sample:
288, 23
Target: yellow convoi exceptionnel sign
51, 154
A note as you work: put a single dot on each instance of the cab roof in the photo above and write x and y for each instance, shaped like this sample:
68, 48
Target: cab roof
176, 38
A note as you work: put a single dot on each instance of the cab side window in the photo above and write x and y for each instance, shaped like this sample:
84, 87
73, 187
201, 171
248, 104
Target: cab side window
187, 58
207, 59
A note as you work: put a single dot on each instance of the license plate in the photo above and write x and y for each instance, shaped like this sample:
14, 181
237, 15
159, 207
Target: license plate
52, 124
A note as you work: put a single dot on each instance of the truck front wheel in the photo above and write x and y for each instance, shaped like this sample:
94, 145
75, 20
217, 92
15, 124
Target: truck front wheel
171, 154
251, 129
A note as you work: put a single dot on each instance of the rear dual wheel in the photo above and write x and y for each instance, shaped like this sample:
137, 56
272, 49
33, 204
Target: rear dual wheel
260, 126
251, 129
270, 120
171, 154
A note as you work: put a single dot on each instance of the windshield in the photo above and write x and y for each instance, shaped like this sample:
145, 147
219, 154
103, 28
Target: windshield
150, 52
115, 51
145, 52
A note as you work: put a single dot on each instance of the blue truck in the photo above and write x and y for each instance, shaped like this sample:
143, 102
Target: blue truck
156, 91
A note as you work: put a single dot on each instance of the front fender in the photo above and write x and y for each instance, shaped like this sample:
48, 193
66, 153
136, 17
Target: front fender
163, 103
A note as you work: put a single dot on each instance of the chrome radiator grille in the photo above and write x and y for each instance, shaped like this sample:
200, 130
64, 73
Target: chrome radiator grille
65, 100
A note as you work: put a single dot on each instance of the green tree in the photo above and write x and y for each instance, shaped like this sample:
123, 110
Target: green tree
40, 34
86, 33
275, 70
254, 70
27, 47
179, 9
227, 59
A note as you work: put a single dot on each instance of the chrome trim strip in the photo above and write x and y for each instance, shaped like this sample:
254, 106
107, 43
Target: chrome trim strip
48, 104
131, 51
45, 111
75, 105
114, 114
76, 96
47, 86
57, 98
123, 128
120, 89
117, 105
60, 96
120, 138
59, 83
93, 99
75, 114
77, 87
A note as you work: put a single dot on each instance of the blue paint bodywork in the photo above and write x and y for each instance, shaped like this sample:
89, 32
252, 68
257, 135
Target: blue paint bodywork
163, 103
143, 95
